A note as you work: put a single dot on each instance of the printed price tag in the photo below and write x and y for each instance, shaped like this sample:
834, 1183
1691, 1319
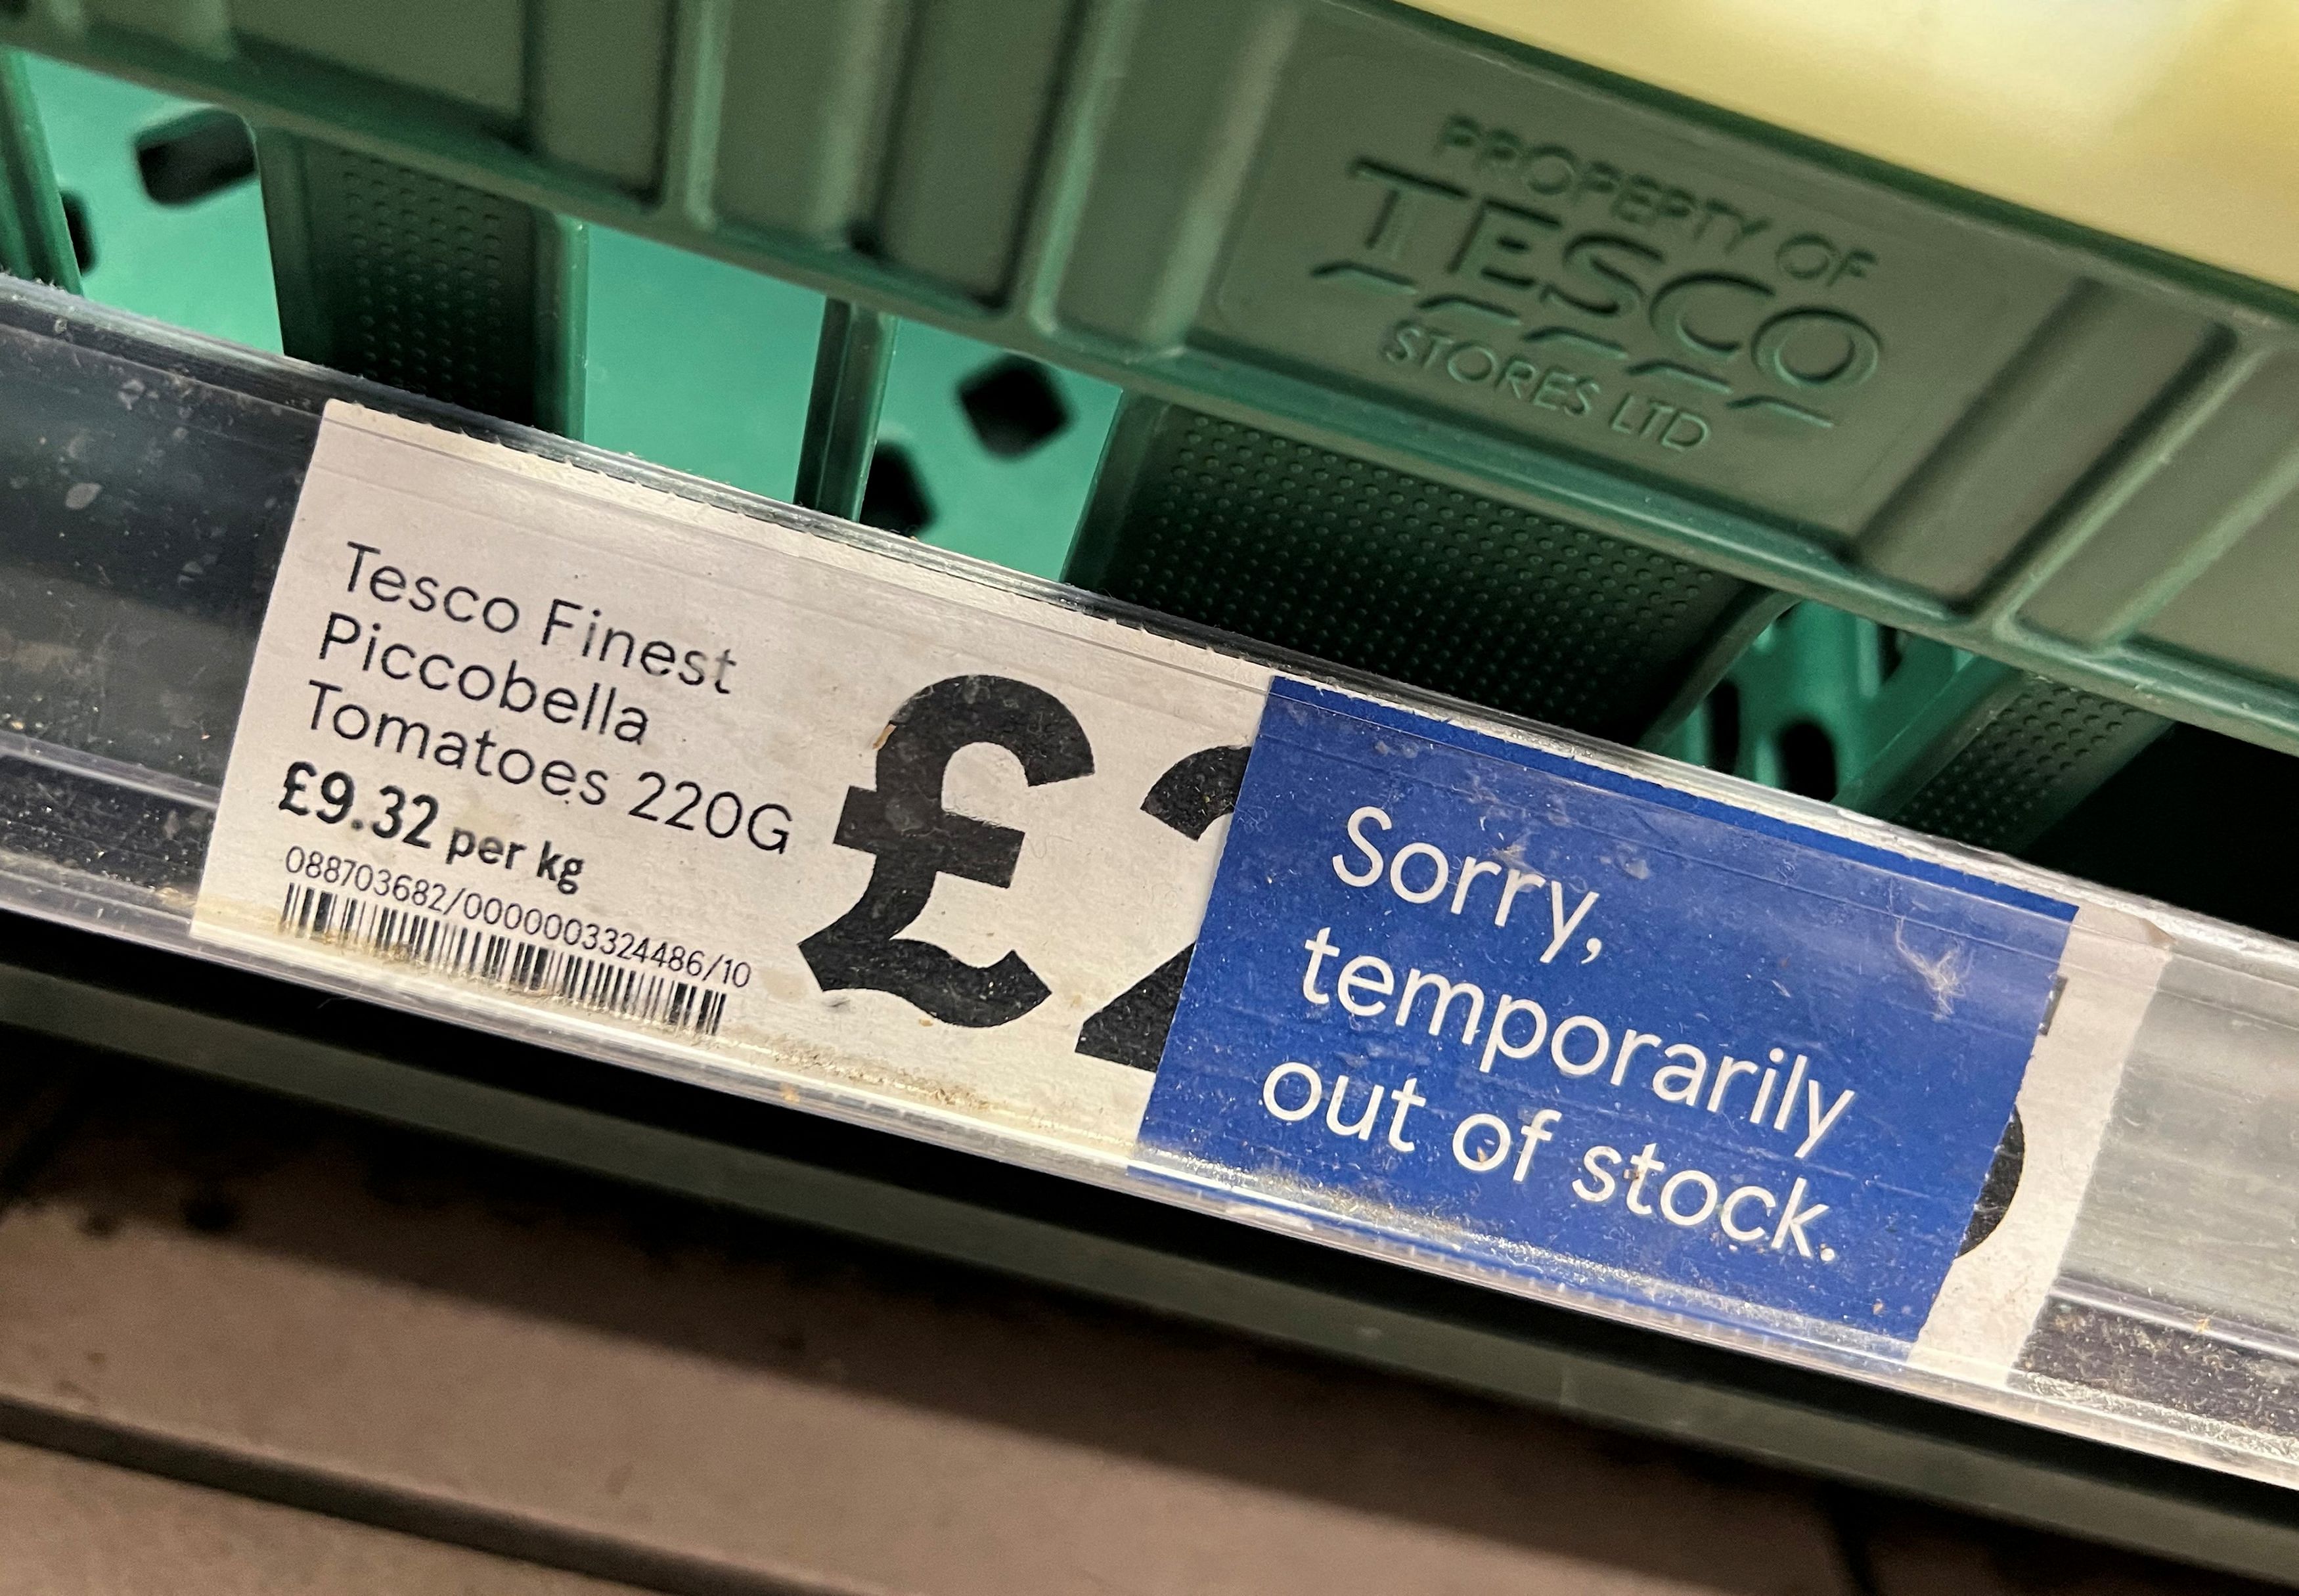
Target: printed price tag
523, 733
528, 744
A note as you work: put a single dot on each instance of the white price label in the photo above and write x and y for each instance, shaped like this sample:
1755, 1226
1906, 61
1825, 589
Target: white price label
527, 732
523, 740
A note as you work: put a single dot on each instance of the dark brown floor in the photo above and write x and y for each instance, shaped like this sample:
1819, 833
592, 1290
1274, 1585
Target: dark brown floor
251, 1346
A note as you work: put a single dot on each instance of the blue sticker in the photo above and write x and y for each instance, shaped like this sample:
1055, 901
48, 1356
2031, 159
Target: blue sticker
1507, 1000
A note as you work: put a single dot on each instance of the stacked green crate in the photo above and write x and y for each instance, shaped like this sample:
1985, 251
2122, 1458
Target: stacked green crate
2084, 487
691, 362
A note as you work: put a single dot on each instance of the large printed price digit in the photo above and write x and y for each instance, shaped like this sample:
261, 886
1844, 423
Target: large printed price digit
1131, 1027
903, 823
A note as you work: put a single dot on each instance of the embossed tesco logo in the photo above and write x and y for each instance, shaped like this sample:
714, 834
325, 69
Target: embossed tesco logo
1514, 259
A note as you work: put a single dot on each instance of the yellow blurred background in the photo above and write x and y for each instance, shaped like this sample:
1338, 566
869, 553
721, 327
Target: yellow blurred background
2173, 122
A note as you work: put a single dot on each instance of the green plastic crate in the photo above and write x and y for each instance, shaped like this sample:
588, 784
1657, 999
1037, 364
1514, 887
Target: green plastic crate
1714, 366
687, 360
2041, 444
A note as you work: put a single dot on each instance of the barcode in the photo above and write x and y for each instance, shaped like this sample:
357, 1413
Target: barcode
533, 968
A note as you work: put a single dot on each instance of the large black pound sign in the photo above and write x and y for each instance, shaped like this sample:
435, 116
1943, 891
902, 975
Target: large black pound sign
915, 838
1131, 1028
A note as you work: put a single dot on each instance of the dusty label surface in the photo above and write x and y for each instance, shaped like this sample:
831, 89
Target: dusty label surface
1545, 1005
527, 743
522, 731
